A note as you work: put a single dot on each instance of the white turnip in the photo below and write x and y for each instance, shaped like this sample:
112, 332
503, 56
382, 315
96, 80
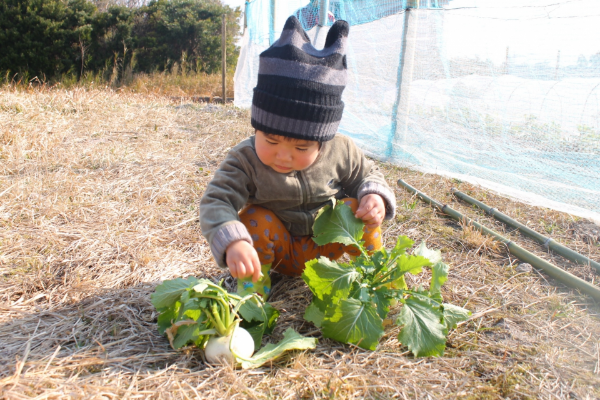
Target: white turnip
221, 349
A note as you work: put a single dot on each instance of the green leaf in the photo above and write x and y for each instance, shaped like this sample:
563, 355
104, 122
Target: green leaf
364, 295
435, 256
314, 314
454, 314
382, 301
192, 313
407, 264
379, 259
185, 334
263, 325
199, 288
402, 244
169, 291
252, 310
439, 275
422, 331
412, 264
166, 317
354, 322
338, 225
327, 279
291, 341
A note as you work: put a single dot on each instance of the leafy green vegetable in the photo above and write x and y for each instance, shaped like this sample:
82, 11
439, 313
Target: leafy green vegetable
350, 301
192, 310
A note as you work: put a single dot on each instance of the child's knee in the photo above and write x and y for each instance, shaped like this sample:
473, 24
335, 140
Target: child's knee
351, 202
256, 217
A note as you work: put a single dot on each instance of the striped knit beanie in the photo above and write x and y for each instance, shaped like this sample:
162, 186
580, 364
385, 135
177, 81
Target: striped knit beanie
299, 90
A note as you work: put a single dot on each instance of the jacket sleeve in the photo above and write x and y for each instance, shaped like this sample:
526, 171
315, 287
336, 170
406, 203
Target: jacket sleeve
223, 198
364, 177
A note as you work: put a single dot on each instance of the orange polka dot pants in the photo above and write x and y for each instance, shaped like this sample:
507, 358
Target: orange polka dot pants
287, 254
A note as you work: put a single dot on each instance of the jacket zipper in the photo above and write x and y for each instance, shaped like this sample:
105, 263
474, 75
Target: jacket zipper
304, 191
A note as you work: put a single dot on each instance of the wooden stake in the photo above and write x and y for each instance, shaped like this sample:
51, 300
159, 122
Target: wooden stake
223, 57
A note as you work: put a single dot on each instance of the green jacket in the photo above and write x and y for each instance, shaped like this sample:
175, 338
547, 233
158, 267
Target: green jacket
340, 170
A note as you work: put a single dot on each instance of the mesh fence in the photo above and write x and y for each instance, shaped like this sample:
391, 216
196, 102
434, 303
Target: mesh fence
505, 94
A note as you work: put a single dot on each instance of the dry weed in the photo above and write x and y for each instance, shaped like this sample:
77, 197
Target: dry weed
474, 239
98, 204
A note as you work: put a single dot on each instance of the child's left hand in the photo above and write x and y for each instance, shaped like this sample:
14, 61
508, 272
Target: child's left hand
371, 210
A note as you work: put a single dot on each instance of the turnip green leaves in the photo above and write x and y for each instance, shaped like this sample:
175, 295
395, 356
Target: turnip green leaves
351, 301
193, 310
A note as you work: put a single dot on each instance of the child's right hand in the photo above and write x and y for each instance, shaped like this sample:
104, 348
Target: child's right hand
242, 260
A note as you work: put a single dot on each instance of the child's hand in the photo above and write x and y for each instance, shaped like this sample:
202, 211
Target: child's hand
371, 210
242, 260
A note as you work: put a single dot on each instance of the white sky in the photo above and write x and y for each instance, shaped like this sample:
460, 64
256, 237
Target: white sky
234, 3
542, 27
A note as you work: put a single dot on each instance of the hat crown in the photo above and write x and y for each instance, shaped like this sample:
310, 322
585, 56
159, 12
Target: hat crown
300, 87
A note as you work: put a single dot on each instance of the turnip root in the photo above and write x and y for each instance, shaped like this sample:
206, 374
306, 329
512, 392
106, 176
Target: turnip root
221, 349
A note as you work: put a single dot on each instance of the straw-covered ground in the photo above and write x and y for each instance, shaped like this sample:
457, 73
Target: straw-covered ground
98, 204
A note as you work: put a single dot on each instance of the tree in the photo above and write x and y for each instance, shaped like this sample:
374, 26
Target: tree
168, 30
41, 37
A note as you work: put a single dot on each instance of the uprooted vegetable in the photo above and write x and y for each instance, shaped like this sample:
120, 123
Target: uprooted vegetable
228, 327
222, 349
351, 301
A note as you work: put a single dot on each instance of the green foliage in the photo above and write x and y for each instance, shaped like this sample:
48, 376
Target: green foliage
41, 37
192, 310
291, 341
54, 38
351, 301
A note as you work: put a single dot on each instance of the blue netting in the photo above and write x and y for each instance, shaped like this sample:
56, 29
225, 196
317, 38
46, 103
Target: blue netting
503, 94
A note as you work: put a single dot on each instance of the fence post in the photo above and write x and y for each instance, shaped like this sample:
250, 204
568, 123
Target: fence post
405, 73
224, 57
273, 19
323, 9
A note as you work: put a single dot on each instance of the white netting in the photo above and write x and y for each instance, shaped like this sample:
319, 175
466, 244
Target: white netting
503, 94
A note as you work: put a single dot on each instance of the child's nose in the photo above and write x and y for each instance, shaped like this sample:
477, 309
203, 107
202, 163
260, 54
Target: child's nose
284, 155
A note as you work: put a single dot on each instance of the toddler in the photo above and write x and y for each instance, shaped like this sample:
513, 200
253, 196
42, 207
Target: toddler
258, 211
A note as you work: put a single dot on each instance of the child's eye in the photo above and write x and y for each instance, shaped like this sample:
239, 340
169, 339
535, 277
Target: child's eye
301, 149
271, 142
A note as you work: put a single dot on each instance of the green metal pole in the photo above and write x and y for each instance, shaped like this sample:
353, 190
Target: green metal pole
546, 241
522, 254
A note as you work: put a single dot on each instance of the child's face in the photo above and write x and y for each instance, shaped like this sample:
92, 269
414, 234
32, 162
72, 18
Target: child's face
283, 154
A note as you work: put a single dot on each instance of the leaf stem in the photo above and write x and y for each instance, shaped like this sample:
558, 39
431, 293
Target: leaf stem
216, 319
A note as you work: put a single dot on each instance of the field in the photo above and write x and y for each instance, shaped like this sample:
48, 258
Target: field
99, 195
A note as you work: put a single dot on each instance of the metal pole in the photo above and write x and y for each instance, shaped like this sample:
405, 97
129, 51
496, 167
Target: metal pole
223, 57
272, 24
405, 73
522, 254
323, 9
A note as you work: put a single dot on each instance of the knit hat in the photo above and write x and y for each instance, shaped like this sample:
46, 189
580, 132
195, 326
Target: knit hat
299, 90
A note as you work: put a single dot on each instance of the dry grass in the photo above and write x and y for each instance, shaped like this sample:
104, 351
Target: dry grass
98, 203
181, 84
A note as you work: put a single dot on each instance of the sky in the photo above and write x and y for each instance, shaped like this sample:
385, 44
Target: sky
234, 3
